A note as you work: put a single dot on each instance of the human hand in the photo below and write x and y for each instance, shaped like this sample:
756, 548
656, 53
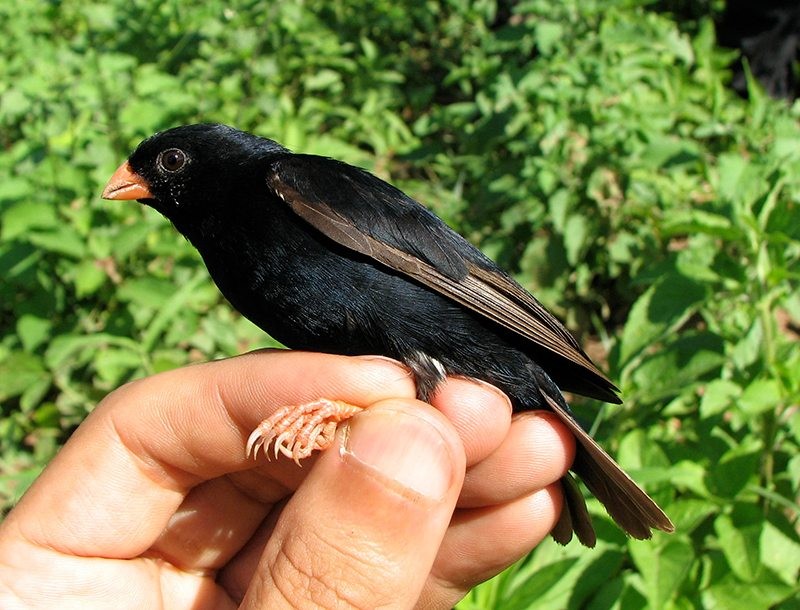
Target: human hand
153, 502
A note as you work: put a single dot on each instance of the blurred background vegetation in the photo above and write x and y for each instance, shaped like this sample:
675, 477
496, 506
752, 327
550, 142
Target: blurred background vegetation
591, 147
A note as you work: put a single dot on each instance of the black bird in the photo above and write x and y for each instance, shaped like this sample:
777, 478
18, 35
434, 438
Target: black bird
326, 257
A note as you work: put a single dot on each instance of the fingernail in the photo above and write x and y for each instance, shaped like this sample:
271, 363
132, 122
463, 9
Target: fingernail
396, 363
401, 448
381, 359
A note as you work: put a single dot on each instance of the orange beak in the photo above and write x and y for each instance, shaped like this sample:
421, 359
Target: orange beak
126, 184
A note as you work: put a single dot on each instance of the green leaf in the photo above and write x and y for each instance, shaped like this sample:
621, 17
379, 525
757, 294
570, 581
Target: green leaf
559, 205
13, 189
129, 239
681, 363
663, 307
324, 79
13, 102
740, 545
732, 169
688, 513
24, 217
690, 475
728, 594
636, 451
89, 277
760, 396
751, 347
663, 567
693, 221
116, 362
729, 476
780, 553
717, 397
602, 567
793, 469
548, 35
665, 150
19, 371
170, 308
166, 360
147, 292
555, 577
697, 261
33, 331
538, 587
618, 594
100, 17
576, 232
34, 393
60, 241
63, 349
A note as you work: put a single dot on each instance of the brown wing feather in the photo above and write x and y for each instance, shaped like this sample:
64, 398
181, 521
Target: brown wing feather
493, 296
626, 502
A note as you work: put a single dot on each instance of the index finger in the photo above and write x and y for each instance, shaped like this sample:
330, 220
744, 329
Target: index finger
113, 487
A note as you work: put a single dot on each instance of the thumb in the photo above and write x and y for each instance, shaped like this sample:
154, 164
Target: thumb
365, 526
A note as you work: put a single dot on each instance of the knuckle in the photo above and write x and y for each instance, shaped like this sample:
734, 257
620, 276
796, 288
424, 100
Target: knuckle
316, 572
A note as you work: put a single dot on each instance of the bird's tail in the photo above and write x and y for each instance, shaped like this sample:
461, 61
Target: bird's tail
632, 509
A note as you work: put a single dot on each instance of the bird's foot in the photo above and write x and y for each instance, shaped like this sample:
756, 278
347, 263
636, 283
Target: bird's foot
298, 431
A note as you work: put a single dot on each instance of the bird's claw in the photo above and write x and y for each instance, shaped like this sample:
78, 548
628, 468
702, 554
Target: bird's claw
298, 431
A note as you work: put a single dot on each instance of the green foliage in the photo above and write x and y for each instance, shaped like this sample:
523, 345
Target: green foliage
591, 147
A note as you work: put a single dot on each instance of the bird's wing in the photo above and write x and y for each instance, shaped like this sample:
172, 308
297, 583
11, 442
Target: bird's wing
367, 215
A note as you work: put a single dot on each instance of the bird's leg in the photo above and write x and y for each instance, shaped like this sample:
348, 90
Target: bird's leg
299, 430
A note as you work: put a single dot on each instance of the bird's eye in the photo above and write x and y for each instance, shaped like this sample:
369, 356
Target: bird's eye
172, 160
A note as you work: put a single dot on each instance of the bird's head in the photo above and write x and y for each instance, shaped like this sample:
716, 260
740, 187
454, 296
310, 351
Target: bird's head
186, 170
